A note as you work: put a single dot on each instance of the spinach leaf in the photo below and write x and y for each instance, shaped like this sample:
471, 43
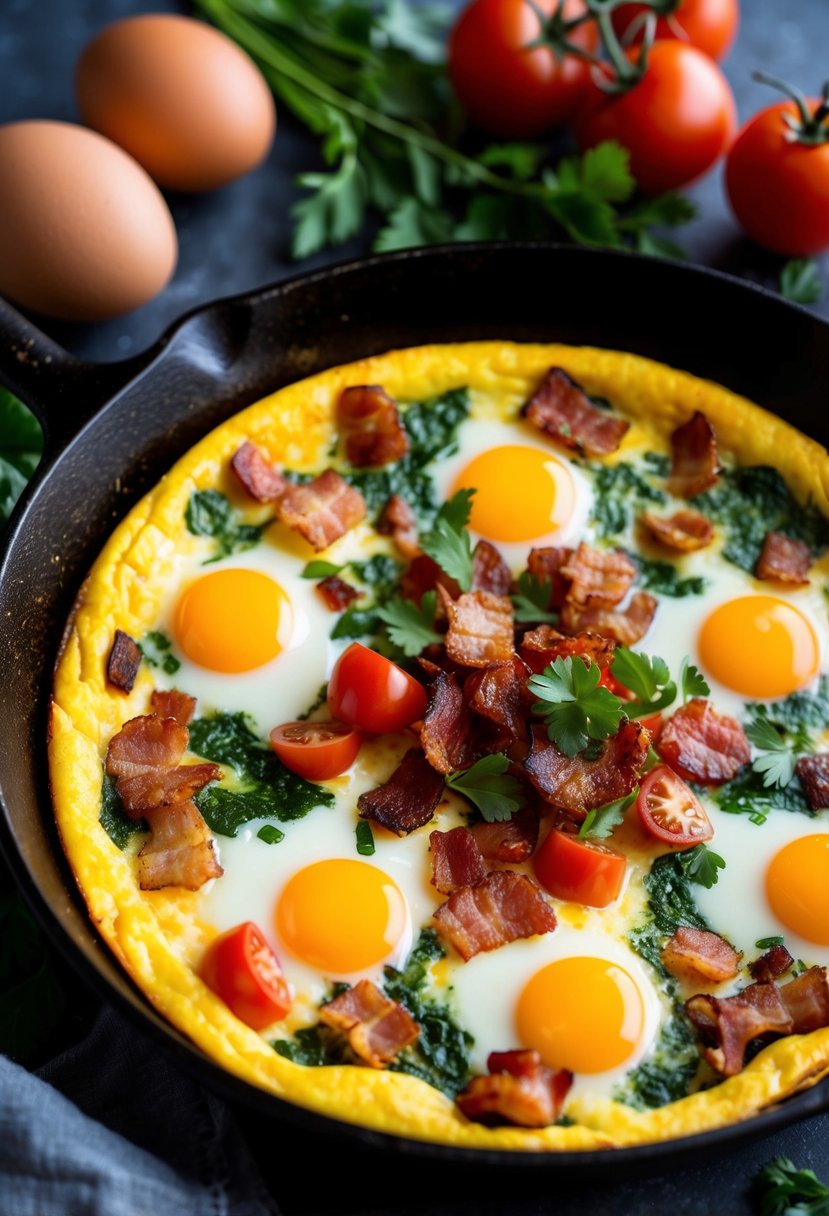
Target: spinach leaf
620, 490
798, 715
156, 649
209, 513
662, 576
670, 904
748, 795
21, 443
667, 1073
312, 1046
380, 575
114, 819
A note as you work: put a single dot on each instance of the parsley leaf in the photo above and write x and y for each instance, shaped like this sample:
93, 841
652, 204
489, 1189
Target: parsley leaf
777, 765
21, 442
788, 1191
209, 513
800, 281
648, 678
573, 705
692, 683
411, 627
489, 787
701, 865
531, 602
748, 794
448, 543
601, 821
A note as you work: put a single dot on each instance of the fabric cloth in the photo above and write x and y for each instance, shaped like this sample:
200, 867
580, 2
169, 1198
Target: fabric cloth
113, 1128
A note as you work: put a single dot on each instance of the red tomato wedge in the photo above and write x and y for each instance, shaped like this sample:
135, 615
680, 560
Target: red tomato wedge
671, 811
369, 691
581, 871
242, 969
316, 750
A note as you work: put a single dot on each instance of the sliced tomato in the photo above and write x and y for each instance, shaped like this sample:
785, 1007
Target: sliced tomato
369, 691
581, 871
242, 969
670, 810
316, 750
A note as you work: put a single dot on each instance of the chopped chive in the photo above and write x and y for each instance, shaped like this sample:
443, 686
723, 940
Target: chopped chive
766, 943
365, 839
270, 834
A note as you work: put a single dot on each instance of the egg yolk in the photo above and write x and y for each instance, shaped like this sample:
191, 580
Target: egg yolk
583, 1014
759, 646
797, 887
231, 620
341, 916
521, 493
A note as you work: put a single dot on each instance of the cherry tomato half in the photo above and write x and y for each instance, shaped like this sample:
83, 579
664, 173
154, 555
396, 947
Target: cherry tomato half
671, 811
581, 871
242, 969
316, 750
506, 88
369, 691
710, 25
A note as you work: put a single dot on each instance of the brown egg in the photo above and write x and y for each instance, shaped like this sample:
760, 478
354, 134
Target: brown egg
84, 232
182, 99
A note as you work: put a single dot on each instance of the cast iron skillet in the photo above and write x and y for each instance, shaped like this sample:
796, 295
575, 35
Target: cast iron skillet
112, 430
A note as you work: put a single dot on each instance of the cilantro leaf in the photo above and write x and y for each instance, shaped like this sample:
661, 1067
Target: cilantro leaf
573, 705
601, 821
800, 281
489, 787
649, 678
531, 602
701, 865
692, 683
448, 543
411, 627
777, 765
788, 1191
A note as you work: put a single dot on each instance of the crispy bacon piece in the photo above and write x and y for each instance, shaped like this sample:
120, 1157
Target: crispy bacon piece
323, 510
376, 1027
336, 593
179, 852
123, 662
695, 465
599, 578
502, 908
545, 565
500, 695
480, 628
625, 626
727, 1025
561, 408
399, 521
261, 480
771, 965
446, 733
520, 1090
370, 426
424, 574
813, 774
509, 839
703, 745
542, 646
143, 759
489, 570
174, 704
457, 860
684, 531
783, 560
577, 785
409, 797
807, 1000
697, 955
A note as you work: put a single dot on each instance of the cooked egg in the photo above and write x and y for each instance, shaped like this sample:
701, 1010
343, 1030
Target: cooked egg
797, 887
759, 645
232, 620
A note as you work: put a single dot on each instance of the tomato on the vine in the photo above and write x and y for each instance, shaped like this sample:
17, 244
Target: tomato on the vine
369, 691
581, 871
670, 810
242, 969
710, 25
316, 750
504, 85
676, 122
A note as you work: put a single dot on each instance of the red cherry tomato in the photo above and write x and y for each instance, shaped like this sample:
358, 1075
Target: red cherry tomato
779, 187
671, 811
316, 750
676, 122
710, 25
242, 969
505, 88
369, 691
581, 871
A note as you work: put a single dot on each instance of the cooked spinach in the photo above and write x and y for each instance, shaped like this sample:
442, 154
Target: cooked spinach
666, 1074
380, 575
114, 819
670, 904
620, 490
156, 649
798, 715
747, 795
664, 578
313, 1046
209, 513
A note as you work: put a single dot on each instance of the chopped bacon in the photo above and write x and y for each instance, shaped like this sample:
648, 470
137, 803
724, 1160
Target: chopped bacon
143, 758
336, 593
703, 745
599, 578
807, 1000
446, 733
370, 425
728, 1024
771, 965
697, 955
261, 480
625, 626
510, 839
159, 787
399, 521
577, 785
520, 1090
457, 860
813, 774
684, 531
174, 704
561, 408
424, 574
408, 799
784, 560
695, 465
499, 694
545, 565
542, 646
480, 628
502, 908
489, 570
179, 852
376, 1028
123, 662
323, 510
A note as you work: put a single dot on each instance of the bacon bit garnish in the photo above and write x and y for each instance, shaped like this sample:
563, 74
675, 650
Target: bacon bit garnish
123, 662
519, 1090
699, 956
323, 510
480, 628
542, 646
502, 908
784, 560
728, 1024
695, 465
424, 574
561, 408
370, 425
376, 1027
771, 965
457, 860
489, 570
703, 745
143, 759
174, 704
446, 733
545, 565
261, 480
509, 839
179, 852
399, 521
577, 785
625, 626
408, 799
807, 1000
813, 774
599, 578
500, 695
684, 531
336, 593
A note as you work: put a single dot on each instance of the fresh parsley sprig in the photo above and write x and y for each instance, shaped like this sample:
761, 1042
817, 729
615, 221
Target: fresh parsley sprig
490, 788
650, 681
531, 602
574, 706
602, 821
777, 763
409, 626
702, 865
448, 542
787, 1191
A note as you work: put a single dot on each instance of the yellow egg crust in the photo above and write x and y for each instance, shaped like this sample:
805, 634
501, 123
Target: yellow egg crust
157, 935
